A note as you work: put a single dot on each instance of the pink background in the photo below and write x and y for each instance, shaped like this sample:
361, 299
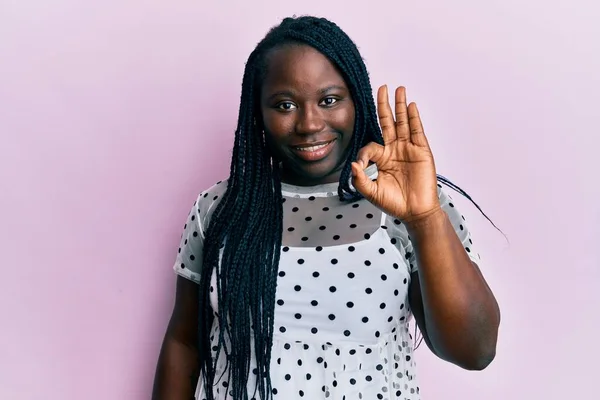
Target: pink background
114, 115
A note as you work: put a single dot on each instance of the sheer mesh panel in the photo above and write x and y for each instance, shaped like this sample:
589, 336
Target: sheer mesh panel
326, 221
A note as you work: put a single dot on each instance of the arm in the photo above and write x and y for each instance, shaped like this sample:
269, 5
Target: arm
178, 364
453, 306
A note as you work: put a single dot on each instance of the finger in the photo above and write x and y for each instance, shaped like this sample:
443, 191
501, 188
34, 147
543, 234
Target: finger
417, 134
386, 119
362, 182
371, 152
402, 126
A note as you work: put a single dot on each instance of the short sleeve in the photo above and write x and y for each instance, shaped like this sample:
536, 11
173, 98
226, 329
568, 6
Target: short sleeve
188, 262
456, 219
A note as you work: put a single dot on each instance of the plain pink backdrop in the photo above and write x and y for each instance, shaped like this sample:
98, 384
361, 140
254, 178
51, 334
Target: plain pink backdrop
114, 115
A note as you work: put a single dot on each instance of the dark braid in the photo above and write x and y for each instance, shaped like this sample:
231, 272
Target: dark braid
244, 235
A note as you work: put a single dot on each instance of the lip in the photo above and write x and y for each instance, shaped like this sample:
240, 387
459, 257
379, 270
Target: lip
315, 143
316, 155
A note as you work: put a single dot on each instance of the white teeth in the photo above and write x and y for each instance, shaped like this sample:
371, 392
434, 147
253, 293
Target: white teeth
312, 148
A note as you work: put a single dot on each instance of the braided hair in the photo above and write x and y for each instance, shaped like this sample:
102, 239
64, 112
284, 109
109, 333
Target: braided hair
243, 238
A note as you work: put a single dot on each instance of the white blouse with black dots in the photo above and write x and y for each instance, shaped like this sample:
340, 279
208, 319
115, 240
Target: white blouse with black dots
342, 313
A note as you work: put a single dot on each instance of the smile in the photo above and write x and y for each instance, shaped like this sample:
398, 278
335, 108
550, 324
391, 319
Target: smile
312, 148
315, 152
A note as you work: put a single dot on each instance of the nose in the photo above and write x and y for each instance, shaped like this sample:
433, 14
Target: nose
310, 120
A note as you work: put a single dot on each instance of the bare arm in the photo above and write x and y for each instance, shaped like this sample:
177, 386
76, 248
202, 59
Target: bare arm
453, 306
178, 364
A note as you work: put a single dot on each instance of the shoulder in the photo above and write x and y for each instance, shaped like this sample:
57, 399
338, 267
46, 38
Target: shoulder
396, 229
207, 201
396, 226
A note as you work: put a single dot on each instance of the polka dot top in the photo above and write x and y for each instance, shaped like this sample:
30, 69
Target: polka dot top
342, 314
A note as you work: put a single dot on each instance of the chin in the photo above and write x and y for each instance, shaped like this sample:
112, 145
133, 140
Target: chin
316, 174
303, 173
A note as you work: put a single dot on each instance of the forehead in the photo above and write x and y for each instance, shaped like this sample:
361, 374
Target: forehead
300, 66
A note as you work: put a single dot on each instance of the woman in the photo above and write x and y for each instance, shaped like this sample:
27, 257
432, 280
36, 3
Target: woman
299, 274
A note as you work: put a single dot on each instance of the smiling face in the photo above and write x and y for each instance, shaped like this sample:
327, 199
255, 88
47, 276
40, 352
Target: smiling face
308, 114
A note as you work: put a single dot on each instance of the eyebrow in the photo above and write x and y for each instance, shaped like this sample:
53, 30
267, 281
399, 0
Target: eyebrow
321, 91
332, 87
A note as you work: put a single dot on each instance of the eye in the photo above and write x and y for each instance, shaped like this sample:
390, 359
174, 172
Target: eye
328, 101
286, 106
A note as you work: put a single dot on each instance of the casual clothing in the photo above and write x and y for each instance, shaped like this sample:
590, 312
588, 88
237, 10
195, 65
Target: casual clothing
342, 314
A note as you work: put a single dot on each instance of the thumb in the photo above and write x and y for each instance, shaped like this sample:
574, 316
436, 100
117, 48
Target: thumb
362, 182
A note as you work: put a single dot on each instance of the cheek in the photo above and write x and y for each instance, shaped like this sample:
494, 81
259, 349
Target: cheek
344, 121
276, 131
277, 127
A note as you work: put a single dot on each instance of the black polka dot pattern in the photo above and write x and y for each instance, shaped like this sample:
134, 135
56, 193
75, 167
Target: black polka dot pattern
341, 328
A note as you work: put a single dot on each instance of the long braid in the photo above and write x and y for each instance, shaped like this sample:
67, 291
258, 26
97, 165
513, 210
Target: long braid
244, 236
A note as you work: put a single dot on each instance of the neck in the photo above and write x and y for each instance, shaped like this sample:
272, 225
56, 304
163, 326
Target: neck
292, 178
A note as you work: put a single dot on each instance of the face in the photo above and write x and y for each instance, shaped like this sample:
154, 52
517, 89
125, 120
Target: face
308, 114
